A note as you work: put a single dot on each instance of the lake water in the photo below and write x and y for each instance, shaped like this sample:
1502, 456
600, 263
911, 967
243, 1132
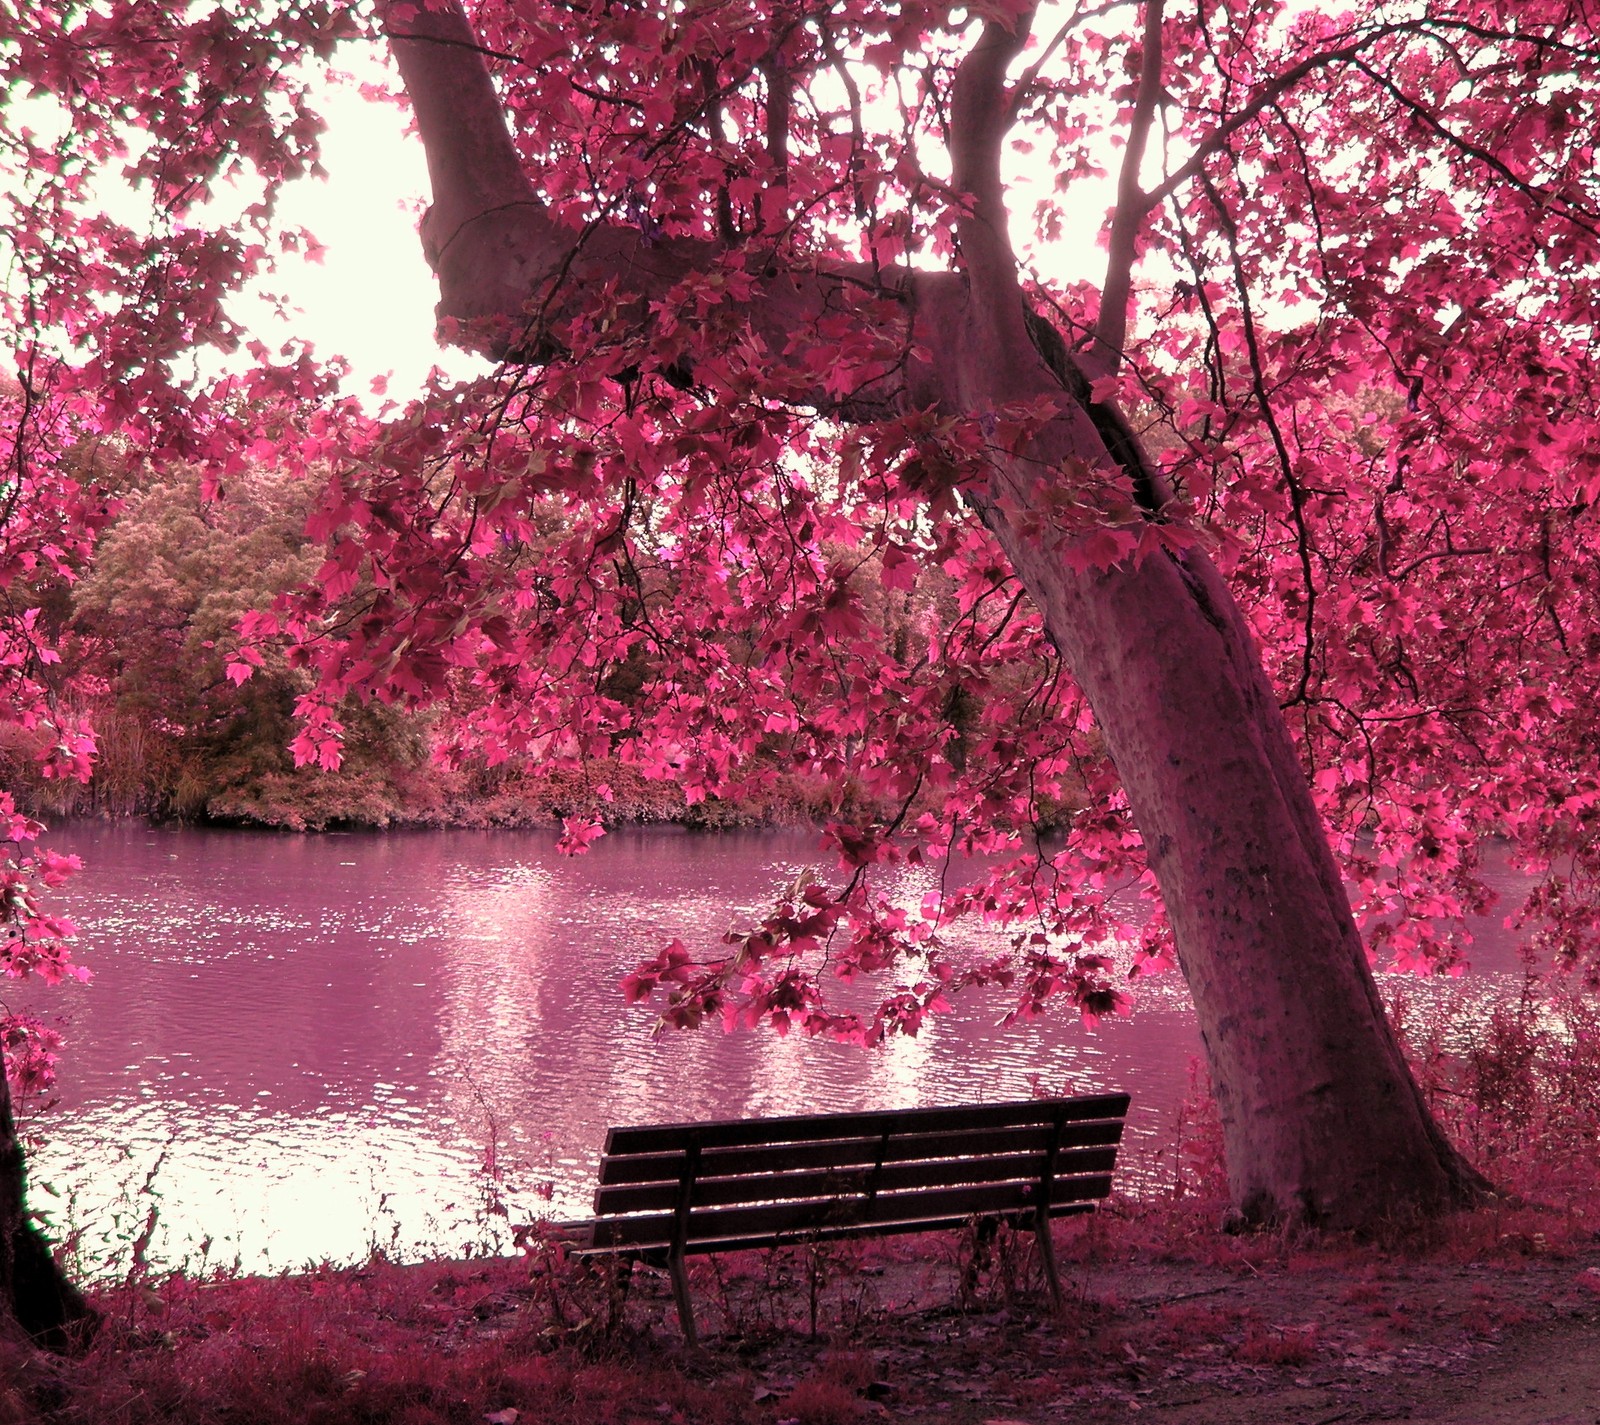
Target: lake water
302, 1048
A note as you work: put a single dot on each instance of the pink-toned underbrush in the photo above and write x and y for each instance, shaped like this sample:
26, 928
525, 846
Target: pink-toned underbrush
438, 1344
1522, 1098
1519, 1091
1269, 1346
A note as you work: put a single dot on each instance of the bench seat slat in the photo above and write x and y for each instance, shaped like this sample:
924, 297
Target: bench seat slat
710, 1189
740, 1132
802, 1219
667, 1167
827, 1232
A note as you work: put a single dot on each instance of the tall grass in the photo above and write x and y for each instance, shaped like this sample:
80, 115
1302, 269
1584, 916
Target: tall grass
1519, 1090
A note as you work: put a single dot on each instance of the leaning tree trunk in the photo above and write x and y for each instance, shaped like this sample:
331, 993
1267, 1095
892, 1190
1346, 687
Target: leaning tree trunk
33, 1290
1321, 1117
1322, 1120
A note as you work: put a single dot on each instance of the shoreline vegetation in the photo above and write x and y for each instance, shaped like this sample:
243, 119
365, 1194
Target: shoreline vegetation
409, 793
190, 726
386, 782
402, 788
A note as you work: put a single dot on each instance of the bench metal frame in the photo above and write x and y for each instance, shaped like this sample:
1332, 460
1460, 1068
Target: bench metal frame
668, 1191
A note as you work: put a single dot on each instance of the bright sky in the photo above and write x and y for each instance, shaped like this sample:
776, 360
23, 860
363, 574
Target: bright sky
370, 297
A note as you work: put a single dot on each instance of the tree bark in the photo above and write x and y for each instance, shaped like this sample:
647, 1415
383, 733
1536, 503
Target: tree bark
1322, 1120
33, 1290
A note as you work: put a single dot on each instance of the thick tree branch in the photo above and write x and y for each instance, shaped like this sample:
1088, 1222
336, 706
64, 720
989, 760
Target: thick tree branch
473, 166
777, 134
1111, 330
980, 117
981, 114
513, 273
517, 276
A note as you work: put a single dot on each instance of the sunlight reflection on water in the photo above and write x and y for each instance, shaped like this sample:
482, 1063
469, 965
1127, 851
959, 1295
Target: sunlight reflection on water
312, 1047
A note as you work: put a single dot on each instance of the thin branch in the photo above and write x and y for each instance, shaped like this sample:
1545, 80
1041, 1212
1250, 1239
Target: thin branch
601, 97
1431, 121
1111, 329
776, 77
1258, 383
858, 135
1345, 54
1476, 552
456, 42
713, 113
1030, 76
715, 94
1218, 138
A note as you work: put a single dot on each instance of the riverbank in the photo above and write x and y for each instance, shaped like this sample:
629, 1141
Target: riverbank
374, 793
1491, 1316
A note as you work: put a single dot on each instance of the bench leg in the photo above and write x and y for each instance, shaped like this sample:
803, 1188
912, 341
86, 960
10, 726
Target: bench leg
1047, 1253
680, 1294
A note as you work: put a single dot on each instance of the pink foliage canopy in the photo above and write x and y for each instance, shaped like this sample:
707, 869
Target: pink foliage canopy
1350, 305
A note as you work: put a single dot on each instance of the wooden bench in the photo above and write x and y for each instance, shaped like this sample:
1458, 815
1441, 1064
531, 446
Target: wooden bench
671, 1190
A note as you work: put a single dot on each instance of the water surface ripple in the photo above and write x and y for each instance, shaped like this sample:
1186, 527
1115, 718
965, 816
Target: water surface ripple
303, 1048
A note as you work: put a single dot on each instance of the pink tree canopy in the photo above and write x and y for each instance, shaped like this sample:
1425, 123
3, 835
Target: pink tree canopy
712, 515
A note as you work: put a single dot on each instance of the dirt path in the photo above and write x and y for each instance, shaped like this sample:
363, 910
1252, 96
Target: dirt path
1538, 1375
1316, 1338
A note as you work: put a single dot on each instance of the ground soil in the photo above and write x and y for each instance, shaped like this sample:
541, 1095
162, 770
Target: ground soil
1260, 1333
1491, 1320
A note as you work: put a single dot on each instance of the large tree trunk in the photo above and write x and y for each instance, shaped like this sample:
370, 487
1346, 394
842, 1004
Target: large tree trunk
1322, 1120
33, 1291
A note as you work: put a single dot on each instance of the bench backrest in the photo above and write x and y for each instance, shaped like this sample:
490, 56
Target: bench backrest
750, 1182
